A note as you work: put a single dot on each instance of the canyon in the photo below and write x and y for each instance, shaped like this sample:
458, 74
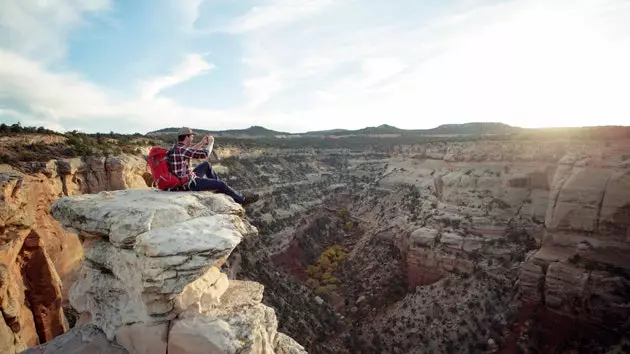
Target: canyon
484, 245
467, 245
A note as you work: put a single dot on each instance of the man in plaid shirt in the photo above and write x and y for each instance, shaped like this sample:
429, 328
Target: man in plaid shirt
202, 178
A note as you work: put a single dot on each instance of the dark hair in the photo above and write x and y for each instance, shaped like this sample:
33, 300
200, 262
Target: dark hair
182, 137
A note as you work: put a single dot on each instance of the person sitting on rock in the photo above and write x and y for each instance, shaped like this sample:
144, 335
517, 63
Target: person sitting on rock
202, 178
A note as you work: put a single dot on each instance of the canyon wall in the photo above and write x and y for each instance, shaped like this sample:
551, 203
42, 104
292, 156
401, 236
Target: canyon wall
549, 216
582, 269
39, 258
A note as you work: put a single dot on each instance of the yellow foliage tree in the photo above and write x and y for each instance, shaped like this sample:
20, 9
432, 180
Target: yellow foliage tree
320, 275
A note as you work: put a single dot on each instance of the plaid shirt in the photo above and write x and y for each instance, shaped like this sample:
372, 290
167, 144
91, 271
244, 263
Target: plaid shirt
179, 159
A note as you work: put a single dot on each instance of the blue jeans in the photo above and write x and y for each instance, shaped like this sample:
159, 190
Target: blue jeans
207, 180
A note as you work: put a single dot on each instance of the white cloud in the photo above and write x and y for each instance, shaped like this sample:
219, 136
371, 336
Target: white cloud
38, 29
527, 63
188, 12
28, 84
348, 64
193, 65
53, 100
277, 13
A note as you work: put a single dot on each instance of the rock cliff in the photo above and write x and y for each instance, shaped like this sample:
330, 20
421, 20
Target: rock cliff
582, 269
151, 279
39, 259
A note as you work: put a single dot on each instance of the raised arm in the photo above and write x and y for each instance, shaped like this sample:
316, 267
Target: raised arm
200, 150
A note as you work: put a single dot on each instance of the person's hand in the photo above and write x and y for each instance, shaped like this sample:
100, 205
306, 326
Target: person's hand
209, 139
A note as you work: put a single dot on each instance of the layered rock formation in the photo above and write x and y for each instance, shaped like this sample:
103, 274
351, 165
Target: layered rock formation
151, 282
33, 252
93, 174
582, 269
39, 258
431, 211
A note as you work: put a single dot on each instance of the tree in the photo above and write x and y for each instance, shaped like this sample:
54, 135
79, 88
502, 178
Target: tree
16, 128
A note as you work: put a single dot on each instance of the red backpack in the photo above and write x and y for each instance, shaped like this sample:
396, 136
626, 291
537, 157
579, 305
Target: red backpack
162, 175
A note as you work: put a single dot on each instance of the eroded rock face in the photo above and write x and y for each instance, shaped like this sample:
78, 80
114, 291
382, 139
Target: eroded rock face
80, 340
39, 258
582, 269
93, 174
30, 287
151, 277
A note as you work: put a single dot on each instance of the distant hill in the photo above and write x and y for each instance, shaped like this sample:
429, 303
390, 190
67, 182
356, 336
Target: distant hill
475, 128
445, 129
383, 129
251, 132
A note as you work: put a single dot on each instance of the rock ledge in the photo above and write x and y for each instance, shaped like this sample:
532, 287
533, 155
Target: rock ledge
151, 280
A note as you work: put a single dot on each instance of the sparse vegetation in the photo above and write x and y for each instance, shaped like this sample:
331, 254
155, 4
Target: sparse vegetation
28, 144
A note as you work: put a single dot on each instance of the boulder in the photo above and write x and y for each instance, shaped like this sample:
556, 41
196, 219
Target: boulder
151, 282
79, 340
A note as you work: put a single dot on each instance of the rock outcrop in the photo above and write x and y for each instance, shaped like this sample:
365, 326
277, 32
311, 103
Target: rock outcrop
30, 263
582, 269
93, 174
151, 278
39, 259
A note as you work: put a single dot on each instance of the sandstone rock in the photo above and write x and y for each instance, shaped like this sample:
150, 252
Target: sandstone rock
531, 280
452, 241
126, 214
30, 287
152, 258
614, 215
423, 237
287, 345
581, 269
68, 166
564, 287
202, 293
203, 335
472, 244
579, 200
13, 203
239, 325
79, 340
140, 338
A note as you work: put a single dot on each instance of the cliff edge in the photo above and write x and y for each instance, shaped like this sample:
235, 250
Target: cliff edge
151, 282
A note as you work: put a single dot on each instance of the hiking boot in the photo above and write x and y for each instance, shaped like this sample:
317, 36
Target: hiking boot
250, 198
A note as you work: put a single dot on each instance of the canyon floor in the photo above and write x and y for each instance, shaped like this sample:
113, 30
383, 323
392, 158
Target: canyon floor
386, 245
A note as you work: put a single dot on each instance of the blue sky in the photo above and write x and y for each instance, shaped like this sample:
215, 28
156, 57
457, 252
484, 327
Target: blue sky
300, 65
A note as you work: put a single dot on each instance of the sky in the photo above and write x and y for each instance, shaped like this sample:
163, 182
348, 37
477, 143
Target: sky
303, 65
